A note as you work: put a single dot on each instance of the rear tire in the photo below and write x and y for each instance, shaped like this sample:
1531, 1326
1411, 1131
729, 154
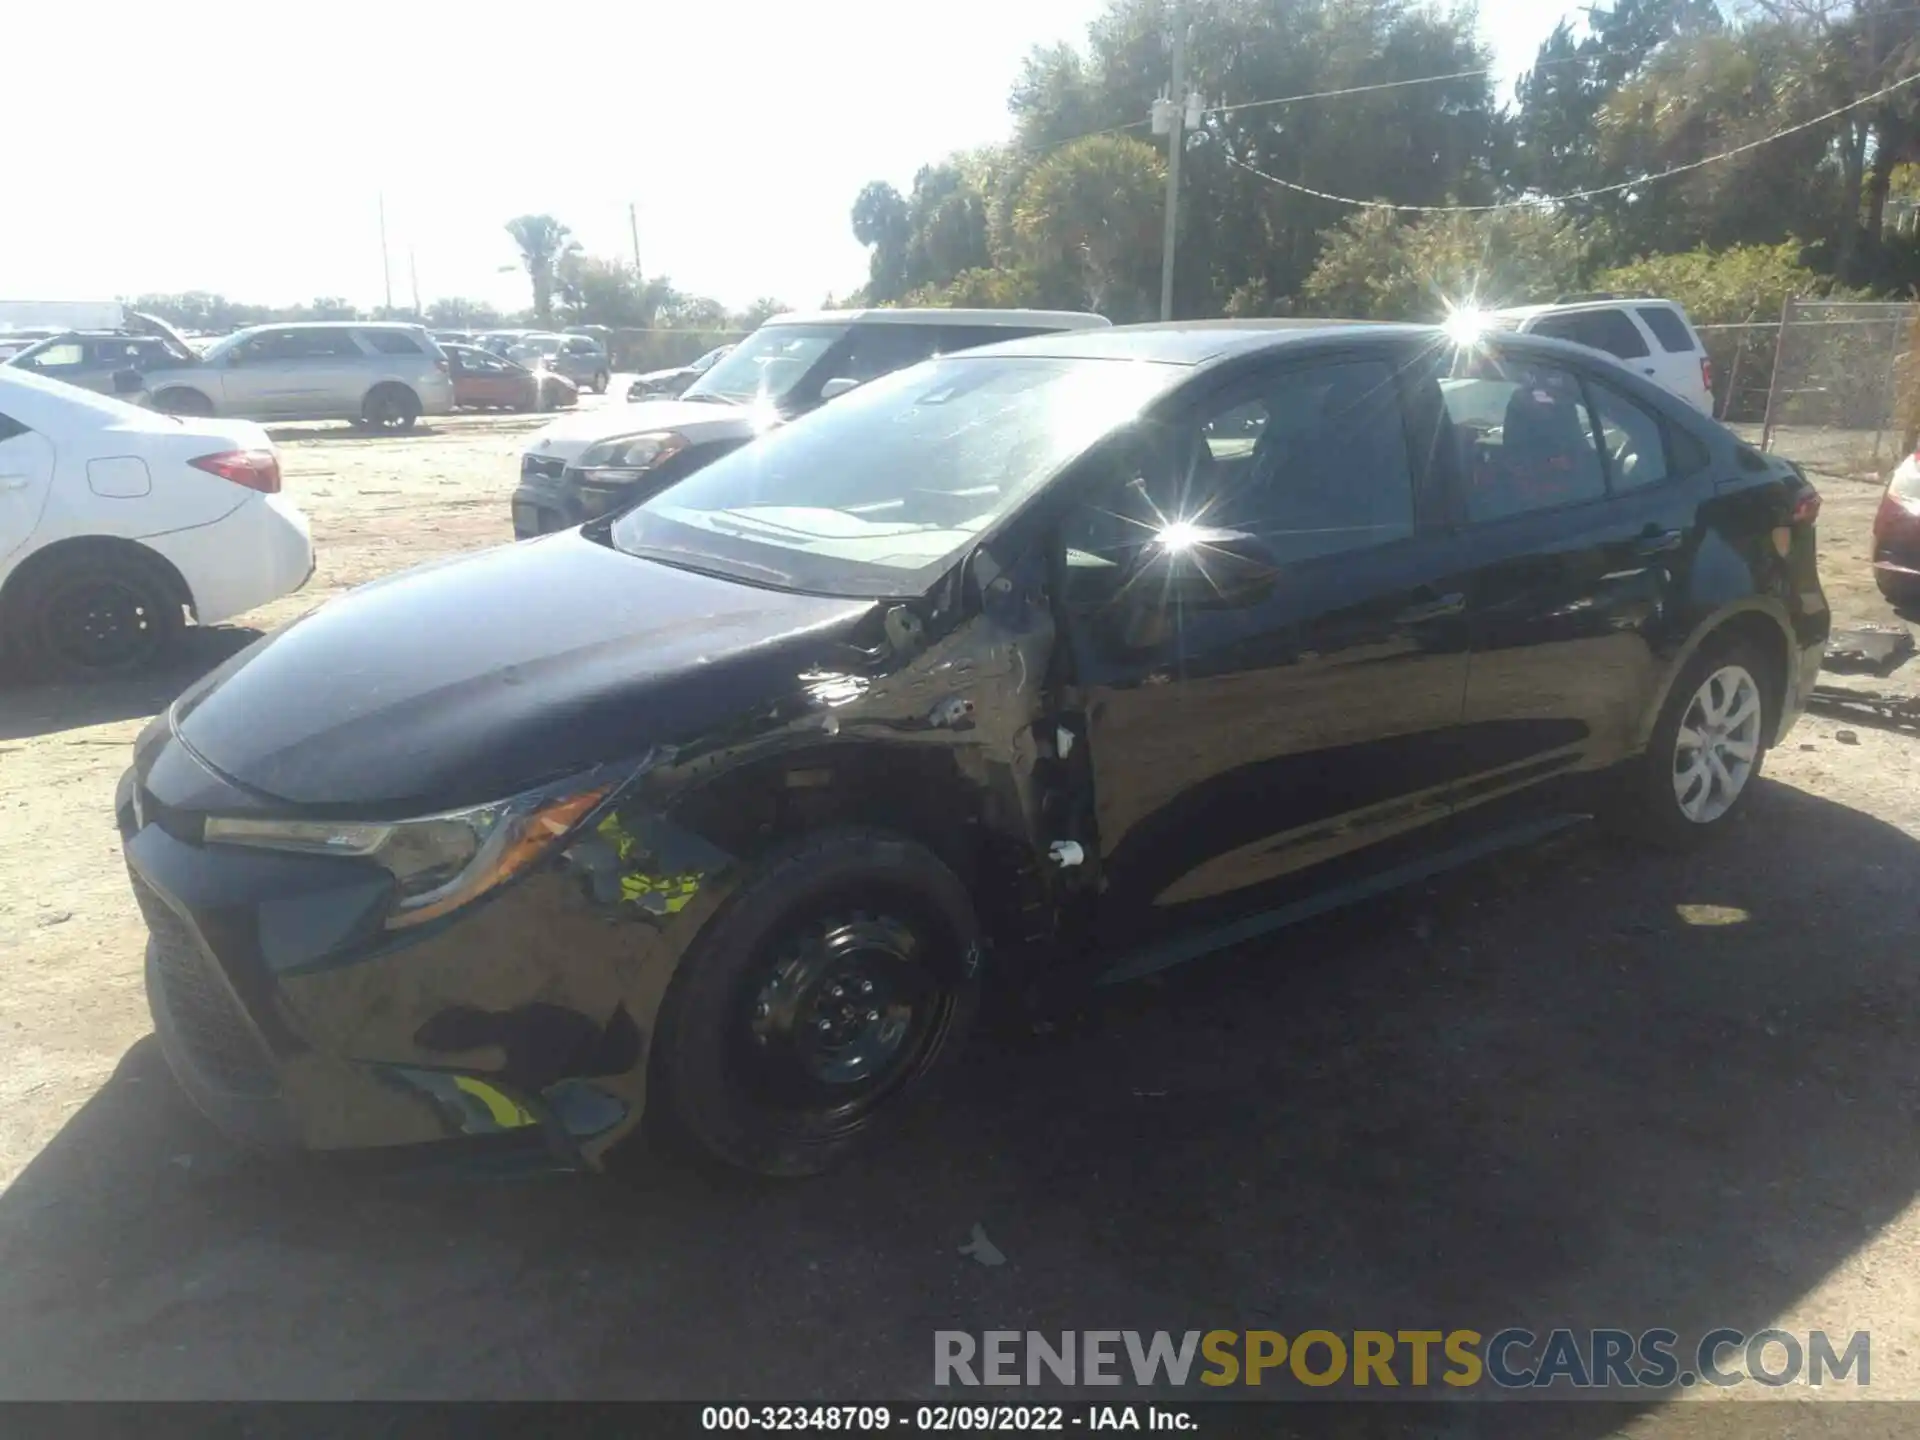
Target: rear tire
88, 615
391, 407
600, 382
818, 1006
1704, 756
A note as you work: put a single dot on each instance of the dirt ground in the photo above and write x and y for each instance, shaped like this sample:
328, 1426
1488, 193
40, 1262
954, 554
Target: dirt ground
1581, 1086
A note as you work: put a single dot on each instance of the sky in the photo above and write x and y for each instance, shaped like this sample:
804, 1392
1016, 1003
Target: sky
254, 147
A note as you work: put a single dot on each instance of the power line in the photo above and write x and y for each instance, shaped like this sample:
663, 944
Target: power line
1544, 201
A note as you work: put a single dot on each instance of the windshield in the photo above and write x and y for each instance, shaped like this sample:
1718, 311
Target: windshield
877, 492
762, 368
224, 344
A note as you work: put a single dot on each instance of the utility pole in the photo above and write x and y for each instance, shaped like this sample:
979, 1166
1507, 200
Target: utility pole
633, 224
1175, 112
413, 272
386, 262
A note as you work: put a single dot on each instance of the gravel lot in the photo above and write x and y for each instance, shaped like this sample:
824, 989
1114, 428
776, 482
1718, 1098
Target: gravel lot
1581, 1086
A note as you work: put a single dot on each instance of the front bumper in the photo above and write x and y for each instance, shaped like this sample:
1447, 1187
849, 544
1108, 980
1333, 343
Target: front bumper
1896, 546
295, 1022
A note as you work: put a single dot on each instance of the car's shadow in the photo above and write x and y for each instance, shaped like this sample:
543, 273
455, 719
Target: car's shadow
1583, 1086
28, 708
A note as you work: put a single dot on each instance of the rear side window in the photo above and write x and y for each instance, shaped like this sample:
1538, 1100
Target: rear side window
1668, 328
1634, 440
1525, 437
1608, 330
392, 342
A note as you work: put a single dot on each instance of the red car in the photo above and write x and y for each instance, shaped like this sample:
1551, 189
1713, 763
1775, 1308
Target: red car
1896, 535
487, 382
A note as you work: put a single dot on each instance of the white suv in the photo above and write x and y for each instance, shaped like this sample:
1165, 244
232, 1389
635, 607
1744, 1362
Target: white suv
1653, 337
605, 459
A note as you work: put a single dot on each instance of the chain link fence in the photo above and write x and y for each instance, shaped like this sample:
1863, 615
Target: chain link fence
1831, 384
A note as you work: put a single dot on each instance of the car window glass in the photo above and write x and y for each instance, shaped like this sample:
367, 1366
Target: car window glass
1668, 328
61, 356
1636, 451
875, 350
1523, 435
392, 342
967, 337
1309, 460
9, 427
1608, 330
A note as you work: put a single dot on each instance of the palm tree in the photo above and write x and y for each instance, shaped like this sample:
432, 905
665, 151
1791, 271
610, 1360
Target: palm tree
543, 243
1095, 206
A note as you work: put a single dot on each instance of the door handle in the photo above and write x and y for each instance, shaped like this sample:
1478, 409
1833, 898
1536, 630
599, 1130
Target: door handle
1658, 542
1433, 607
11, 481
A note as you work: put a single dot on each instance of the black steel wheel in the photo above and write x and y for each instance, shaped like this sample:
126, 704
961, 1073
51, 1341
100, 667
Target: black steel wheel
93, 616
817, 1006
392, 407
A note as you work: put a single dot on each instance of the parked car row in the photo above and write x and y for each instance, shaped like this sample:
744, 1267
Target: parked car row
666, 384
1029, 664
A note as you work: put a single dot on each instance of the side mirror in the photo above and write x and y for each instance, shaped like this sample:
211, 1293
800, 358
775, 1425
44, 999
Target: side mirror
837, 387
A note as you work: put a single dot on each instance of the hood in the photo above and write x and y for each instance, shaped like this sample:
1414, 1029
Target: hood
479, 677
655, 377
697, 419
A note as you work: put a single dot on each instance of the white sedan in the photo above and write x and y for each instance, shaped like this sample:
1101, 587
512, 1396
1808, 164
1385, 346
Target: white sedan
116, 523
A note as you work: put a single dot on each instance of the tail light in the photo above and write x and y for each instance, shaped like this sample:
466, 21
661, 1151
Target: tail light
1706, 374
440, 364
255, 469
1806, 509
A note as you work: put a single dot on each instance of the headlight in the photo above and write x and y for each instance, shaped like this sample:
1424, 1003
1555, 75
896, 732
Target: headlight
438, 862
1905, 485
635, 454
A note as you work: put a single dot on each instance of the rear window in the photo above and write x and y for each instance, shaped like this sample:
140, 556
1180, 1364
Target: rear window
392, 342
1608, 330
1668, 328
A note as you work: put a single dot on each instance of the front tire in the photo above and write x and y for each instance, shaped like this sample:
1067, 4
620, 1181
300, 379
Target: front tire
600, 382
819, 1005
1706, 750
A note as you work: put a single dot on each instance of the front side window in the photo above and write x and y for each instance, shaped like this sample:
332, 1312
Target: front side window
877, 493
1306, 461
63, 356
769, 364
1524, 434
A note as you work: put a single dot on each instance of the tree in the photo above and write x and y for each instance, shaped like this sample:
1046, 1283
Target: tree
1379, 267
1094, 207
759, 312
543, 242
880, 222
596, 290
455, 313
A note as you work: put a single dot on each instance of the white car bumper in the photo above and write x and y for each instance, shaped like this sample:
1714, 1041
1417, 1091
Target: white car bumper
256, 552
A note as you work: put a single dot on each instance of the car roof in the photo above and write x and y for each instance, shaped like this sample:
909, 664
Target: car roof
940, 315
1524, 313
335, 325
1195, 342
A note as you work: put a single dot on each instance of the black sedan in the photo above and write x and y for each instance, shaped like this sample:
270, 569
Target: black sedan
1046, 664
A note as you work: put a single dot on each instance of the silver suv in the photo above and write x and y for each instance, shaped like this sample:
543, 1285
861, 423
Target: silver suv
380, 375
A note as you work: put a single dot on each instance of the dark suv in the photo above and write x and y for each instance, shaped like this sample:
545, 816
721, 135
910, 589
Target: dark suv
1058, 661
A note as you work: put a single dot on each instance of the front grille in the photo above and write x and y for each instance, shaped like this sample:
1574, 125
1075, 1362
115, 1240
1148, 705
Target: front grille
541, 467
206, 1017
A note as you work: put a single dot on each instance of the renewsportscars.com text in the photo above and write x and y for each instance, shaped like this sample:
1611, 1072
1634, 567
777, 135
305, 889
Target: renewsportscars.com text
1600, 1359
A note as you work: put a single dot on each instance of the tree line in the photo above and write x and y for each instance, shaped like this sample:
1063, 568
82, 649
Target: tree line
1067, 212
567, 287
